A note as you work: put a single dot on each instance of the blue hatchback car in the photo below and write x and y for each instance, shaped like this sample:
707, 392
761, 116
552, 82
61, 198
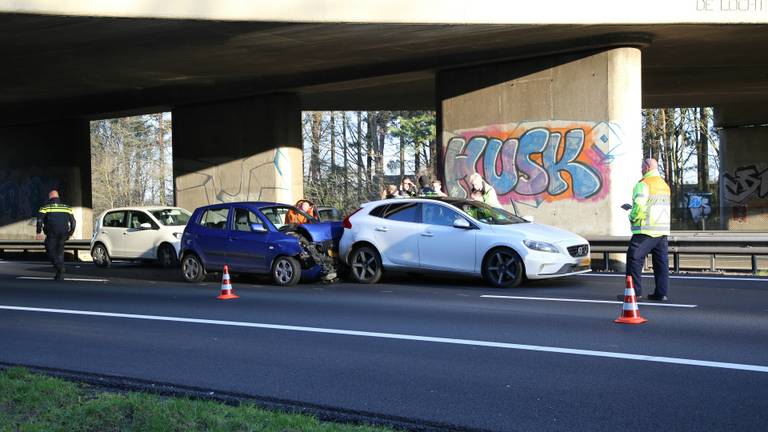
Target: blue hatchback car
259, 237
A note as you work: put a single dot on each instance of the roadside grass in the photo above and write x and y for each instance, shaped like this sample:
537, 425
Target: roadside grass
36, 403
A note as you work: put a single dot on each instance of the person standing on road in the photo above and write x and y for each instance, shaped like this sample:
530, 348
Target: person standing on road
57, 221
650, 219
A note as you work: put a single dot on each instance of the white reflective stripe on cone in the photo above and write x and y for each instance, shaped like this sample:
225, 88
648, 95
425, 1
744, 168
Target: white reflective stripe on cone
629, 292
629, 306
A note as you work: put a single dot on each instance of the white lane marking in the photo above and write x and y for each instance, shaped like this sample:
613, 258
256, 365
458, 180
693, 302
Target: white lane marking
489, 344
715, 278
66, 279
587, 301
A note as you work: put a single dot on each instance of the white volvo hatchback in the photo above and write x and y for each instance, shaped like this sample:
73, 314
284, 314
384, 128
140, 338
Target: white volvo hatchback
458, 236
139, 233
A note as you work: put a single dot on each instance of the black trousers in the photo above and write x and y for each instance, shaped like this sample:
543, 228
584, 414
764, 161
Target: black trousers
639, 247
54, 248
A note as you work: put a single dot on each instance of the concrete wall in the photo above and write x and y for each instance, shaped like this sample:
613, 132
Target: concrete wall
743, 166
561, 137
242, 150
36, 159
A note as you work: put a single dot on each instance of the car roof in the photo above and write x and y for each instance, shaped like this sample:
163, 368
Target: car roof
256, 204
144, 208
447, 200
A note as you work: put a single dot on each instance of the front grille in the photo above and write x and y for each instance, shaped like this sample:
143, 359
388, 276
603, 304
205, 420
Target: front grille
579, 250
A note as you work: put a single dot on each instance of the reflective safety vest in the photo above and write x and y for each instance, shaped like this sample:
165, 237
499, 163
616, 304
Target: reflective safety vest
650, 213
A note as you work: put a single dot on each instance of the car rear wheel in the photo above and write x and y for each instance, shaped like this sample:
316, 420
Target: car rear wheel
286, 271
192, 268
166, 256
101, 256
503, 268
365, 265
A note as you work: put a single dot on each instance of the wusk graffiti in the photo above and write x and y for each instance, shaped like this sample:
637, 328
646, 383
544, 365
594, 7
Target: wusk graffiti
544, 161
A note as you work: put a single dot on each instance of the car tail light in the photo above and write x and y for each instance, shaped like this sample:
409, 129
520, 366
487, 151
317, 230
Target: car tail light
347, 223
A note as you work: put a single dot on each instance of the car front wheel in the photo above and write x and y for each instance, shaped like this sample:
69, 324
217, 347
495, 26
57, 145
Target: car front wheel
100, 256
192, 269
365, 265
286, 271
503, 268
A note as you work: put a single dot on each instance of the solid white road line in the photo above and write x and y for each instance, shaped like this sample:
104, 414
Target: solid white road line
66, 279
715, 278
587, 301
557, 350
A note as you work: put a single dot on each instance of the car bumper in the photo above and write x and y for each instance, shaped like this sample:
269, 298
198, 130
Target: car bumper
544, 265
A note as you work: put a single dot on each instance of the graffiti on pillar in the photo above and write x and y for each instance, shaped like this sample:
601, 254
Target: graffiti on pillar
21, 195
535, 162
746, 182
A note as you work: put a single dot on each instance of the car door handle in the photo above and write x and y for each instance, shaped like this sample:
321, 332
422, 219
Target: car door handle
427, 234
382, 229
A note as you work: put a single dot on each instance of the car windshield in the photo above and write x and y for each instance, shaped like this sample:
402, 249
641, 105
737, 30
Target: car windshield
171, 216
287, 215
487, 214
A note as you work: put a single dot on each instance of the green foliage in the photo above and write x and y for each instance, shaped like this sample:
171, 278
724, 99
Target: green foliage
417, 128
31, 402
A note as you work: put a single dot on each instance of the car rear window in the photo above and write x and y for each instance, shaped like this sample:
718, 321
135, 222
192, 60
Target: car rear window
403, 212
115, 219
215, 218
379, 211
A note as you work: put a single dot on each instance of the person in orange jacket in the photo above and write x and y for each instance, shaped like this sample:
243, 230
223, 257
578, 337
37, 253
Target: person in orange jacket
294, 217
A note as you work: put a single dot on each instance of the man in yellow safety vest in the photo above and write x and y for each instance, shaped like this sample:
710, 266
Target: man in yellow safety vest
650, 219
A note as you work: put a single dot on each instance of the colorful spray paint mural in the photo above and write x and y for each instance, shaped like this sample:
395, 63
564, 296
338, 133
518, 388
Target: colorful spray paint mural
535, 162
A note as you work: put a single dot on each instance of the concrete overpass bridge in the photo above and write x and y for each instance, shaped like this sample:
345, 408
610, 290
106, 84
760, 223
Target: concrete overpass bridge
543, 98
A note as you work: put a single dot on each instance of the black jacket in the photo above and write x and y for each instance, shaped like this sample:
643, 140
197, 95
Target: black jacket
55, 218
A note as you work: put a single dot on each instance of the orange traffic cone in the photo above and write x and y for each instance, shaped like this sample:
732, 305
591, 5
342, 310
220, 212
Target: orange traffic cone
630, 314
226, 287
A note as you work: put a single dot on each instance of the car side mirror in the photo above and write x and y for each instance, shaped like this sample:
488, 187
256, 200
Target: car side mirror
145, 226
529, 218
259, 228
461, 223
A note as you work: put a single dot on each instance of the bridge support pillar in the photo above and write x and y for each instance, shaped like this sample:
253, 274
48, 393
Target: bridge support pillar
743, 166
35, 159
560, 137
242, 150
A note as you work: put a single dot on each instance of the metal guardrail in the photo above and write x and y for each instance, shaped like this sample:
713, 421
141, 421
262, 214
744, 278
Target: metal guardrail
693, 243
37, 245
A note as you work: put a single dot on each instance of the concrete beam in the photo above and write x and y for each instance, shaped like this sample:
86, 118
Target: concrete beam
409, 11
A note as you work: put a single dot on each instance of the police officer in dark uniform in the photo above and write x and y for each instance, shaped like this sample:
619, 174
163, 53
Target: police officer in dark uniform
58, 223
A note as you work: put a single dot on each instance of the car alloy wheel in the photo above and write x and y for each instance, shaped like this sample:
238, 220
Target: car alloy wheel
286, 271
503, 268
366, 265
192, 269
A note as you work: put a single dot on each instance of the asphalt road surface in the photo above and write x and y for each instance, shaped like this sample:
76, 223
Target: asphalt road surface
440, 352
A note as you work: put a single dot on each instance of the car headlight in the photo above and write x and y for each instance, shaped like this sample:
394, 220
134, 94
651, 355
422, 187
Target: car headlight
178, 235
541, 246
